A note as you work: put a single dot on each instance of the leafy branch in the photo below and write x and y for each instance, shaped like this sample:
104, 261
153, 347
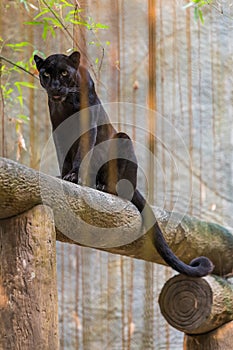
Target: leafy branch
199, 5
14, 92
16, 65
51, 19
49, 16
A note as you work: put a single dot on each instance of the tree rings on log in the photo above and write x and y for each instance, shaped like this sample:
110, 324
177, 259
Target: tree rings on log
186, 302
197, 305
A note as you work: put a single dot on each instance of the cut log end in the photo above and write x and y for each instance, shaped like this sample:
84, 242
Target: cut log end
197, 305
186, 302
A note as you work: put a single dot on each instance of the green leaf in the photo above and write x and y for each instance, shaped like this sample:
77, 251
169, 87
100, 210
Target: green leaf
70, 16
26, 84
52, 31
81, 23
33, 23
20, 99
19, 46
43, 12
23, 117
7, 91
66, 3
19, 85
100, 26
22, 43
196, 14
2, 68
45, 31
200, 16
54, 21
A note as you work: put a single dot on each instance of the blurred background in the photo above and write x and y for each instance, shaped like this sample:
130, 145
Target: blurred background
160, 69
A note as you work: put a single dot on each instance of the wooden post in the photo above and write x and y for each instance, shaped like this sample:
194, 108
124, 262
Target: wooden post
202, 308
219, 339
28, 286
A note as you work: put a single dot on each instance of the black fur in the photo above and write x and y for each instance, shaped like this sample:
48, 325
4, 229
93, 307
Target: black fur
71, 89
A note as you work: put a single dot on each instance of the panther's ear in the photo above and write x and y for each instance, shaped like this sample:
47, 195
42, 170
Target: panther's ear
75, 58
39, 61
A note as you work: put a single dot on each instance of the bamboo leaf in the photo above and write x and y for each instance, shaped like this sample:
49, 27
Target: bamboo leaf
33, 23
200, 16
54, 21
19, 46
43, 12
20, 99
23, 117
45, 31
52, 31
81, 23
196, 14
100, 26
26, 84
66, 3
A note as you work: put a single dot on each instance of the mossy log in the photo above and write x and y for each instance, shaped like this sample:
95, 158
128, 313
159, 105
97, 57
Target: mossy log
91, 218
28, 289
197, 305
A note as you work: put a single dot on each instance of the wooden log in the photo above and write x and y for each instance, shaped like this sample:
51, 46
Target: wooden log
219, 339
85, 216
28, 289
197, 305
88, 217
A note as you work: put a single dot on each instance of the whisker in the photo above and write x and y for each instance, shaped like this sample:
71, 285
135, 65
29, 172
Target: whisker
73, 90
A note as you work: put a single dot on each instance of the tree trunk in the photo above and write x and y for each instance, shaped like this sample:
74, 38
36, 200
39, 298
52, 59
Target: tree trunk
197, 305
219, 339
28, 290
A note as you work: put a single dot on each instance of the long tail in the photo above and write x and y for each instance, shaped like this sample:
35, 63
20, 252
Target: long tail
198, 267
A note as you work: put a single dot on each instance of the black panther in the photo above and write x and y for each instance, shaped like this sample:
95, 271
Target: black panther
112, 164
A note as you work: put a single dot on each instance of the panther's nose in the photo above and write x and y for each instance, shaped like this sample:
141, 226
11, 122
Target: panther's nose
56, 86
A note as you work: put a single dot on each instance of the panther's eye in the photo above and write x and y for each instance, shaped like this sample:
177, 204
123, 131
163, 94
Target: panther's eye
64, 73
46, 74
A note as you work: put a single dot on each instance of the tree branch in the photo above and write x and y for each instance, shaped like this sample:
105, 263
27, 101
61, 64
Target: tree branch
18, 66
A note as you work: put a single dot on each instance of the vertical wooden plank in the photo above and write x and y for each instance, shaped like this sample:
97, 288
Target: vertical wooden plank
152, 91
189, 98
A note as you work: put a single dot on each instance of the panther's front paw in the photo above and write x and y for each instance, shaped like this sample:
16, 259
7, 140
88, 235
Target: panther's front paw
101, 187
72, 177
